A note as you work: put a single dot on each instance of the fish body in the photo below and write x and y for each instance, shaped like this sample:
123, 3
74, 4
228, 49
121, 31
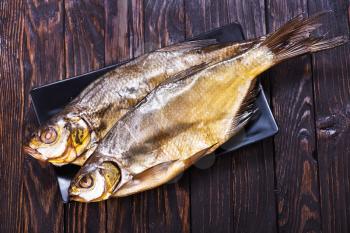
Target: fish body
187, 117
106, 100
180, 119
89, 117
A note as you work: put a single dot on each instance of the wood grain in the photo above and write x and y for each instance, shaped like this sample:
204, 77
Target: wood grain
11, 115
43, 62
204, 15
124, 39
252, 190
167, 206
331, 72
218, 200
84, 36
85, 51
44, 41
250, 14
293, 107
164, 23
118, 26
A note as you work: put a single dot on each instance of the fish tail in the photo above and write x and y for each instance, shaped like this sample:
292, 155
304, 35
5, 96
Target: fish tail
294, 39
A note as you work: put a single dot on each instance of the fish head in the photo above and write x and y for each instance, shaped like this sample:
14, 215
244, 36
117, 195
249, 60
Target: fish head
95, 182
61, 140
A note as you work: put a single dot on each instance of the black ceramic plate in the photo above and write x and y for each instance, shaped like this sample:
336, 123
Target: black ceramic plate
50, 99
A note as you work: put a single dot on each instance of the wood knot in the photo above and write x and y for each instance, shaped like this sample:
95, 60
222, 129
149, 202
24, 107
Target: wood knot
308, 101
334, 124
304, 137
326, 126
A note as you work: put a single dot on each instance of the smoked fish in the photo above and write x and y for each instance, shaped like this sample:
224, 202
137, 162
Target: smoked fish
188, 116
73, 134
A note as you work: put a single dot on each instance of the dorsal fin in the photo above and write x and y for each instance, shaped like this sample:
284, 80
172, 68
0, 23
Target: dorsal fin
247, 110
188, 46
243, 45
186, 73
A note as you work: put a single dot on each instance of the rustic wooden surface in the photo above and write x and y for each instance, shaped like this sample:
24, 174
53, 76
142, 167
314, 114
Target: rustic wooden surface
299, 181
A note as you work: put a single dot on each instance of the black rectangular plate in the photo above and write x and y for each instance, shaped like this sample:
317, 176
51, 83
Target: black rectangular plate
50, 99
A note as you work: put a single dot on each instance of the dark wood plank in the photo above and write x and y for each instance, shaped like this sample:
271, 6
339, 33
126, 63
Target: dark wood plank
202, 15
237, 193
124, 40
250, 14
84, 36
331, 72
252, 189
293, 107
164, 23
84, 48
11, 115
43, 62
167, 206
118, 28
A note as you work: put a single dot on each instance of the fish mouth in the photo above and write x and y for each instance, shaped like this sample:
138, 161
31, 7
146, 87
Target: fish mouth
34, 153
74, 197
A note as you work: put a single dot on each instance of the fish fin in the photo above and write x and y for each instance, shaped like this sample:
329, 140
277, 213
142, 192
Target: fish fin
194, 158
243, 45
159, 174
197, 68
186, 73
247, 110
294, 39
209, 45
188, 46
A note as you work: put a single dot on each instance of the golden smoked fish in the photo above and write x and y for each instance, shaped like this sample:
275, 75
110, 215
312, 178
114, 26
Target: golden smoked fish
187, 117
73, 134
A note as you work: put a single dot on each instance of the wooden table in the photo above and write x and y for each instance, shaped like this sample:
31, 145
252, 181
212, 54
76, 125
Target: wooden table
299, 181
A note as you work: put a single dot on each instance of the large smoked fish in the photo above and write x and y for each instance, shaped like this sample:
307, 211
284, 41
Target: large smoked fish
188, 116
73, 134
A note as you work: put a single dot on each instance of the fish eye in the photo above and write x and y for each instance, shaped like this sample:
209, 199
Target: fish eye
48, 135
86, 182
